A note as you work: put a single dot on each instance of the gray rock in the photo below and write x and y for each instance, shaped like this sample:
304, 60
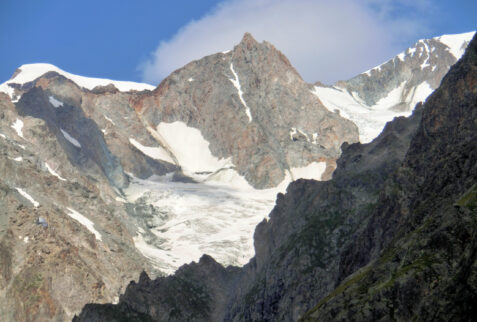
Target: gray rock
202, 95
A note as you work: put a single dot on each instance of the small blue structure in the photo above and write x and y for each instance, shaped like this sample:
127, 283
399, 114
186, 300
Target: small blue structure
42, 221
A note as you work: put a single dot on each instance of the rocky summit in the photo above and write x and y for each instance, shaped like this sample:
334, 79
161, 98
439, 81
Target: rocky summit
194, 200
254, 109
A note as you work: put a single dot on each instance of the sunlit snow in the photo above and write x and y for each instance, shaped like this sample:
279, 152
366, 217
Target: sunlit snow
216, 216
109, 120
236, 83
30, 72
84, 221
50, 170
190, 148
371, 119
157, 153
18, 126
456, 43
213, 217
28, 197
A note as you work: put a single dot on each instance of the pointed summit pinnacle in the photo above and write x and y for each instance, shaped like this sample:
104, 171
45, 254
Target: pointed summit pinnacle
248, 41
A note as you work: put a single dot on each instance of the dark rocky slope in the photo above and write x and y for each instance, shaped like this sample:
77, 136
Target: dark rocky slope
420, 242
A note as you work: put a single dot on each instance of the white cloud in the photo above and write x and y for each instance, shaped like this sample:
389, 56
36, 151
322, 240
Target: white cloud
324, 40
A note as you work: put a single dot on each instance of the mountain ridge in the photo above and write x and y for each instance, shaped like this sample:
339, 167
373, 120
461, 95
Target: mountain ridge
95, 181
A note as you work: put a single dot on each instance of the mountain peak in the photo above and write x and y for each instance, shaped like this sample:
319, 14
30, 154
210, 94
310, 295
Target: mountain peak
248, 40
29, 72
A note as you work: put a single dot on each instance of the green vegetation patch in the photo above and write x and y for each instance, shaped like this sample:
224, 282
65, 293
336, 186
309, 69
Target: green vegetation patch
469, 199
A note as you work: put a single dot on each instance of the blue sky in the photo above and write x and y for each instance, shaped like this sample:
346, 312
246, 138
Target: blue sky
145, 40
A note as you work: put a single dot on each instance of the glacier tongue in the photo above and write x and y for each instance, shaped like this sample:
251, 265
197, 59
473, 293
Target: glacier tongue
217, 216
198, 218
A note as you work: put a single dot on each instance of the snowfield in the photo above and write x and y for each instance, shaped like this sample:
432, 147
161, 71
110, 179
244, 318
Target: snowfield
30, 72
372, 119
216, 216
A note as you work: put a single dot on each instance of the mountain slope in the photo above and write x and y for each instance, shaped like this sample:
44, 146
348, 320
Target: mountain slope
297, 250
393, 88
74, 149
64, 238
420, 241
421, 213
254, 108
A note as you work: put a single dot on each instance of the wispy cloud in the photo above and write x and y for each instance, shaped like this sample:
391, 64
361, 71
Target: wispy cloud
324, 40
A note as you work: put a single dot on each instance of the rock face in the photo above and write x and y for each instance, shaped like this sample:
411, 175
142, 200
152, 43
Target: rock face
66, 235
252, 106
399, 216
420, 240
98, 144
64, 239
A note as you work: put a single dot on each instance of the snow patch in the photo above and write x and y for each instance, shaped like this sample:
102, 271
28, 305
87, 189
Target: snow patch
190, 79
391, 99
236, 83
226, 51
292, 133
315, 137
53, 172
70, 139
370, 119
312, 171
56, 103
157, 153
18, 159
425, 63
30, 72
18, 126
419, 94
109, 120
84, 221
27, 196
456, 43
189, 148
